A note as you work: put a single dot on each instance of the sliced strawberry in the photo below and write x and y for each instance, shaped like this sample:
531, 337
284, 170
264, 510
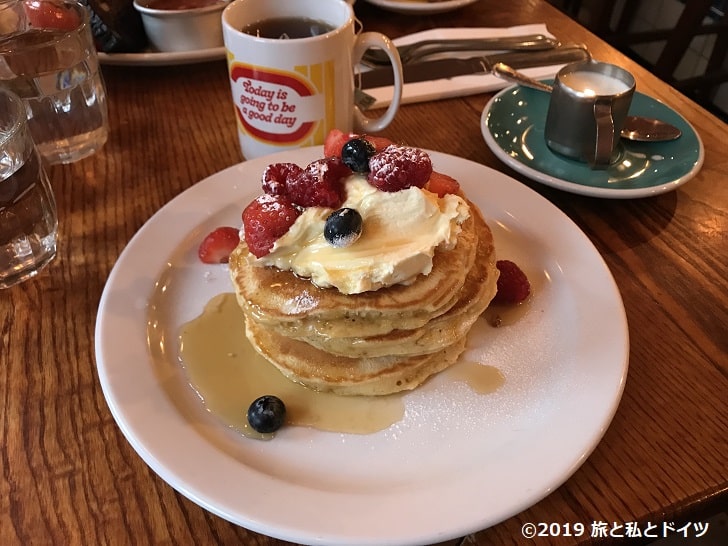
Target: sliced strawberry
513, 285
265, 220
335, 140
216, 247
320, 184
379, 143
442, 184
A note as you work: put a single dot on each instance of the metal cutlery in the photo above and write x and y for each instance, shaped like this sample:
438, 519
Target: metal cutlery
449, 68
417, 51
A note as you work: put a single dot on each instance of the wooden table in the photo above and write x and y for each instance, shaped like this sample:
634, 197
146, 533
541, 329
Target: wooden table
69, 476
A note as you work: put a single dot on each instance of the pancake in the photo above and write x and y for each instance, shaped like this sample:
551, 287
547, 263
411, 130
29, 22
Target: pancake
373, 343
296, 307
478, 289
365, 376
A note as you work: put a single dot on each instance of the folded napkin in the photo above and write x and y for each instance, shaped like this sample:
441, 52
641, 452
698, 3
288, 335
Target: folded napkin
460, 86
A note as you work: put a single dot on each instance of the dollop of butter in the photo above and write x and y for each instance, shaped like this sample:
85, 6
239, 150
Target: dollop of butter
401, 231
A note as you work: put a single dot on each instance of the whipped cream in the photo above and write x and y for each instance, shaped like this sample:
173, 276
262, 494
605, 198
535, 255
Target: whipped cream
401, 231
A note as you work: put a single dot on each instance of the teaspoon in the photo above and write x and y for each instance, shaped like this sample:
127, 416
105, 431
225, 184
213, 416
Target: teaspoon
635, 127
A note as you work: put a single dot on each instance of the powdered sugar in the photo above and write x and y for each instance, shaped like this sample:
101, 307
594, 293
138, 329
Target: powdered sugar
399, 167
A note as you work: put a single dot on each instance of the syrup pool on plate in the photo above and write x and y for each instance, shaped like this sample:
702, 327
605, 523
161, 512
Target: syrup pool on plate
228, 374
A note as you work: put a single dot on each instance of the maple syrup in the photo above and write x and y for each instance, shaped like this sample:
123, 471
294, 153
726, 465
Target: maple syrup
228, 374
499, 315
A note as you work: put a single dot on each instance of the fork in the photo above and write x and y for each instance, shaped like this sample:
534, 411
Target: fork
416, 51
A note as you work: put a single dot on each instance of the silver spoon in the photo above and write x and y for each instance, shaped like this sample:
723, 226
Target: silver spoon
635, 127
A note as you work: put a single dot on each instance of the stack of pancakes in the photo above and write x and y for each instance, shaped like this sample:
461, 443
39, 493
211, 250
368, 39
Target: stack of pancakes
372, 343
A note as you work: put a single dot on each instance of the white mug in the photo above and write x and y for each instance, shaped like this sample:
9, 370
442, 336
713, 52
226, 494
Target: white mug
289, 93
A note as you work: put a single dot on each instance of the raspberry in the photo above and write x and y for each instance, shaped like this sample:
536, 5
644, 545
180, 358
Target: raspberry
320, 184
217, 245
277, 175
513, 285
399, 167
266, 219
442, 184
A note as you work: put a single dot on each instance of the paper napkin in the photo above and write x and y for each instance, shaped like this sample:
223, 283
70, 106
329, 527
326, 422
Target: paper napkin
460, 86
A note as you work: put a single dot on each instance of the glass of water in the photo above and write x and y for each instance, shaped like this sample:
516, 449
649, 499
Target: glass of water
48, 58
28, 221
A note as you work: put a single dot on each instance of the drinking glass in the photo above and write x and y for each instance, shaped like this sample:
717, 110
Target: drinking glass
28, 221
48, 58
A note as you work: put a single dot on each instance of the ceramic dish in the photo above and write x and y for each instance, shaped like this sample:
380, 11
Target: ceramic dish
170, 28
421, 7
513, 128
457, 462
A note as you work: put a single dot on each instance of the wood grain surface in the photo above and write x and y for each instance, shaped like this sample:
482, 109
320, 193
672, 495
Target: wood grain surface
68, 476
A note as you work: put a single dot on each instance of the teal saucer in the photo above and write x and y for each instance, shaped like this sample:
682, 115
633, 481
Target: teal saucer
513, 127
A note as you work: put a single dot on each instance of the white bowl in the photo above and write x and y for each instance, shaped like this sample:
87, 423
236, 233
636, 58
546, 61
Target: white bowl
183, 29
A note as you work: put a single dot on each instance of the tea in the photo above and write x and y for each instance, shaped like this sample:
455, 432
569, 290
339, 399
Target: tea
288, 28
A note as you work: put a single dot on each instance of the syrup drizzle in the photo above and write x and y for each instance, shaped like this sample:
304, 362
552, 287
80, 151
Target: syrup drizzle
228, 374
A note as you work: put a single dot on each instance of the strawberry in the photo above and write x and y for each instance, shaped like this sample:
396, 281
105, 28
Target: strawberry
442, 184
379, 143
335, 140
265, 220
399, 167
277, 175
217, 245
513, 285
320, 184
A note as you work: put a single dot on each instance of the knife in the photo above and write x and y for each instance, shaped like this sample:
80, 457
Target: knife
449, 68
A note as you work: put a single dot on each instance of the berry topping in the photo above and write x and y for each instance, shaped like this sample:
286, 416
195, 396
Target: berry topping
399, 167
379, 143
266, 219
266, 414
343, 227
442, 184
216, 247
335, 140
513, 285
320, 184
356, 153
277, 175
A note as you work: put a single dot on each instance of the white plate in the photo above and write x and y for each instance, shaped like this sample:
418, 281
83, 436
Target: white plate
162, 58
421, 7
458, 462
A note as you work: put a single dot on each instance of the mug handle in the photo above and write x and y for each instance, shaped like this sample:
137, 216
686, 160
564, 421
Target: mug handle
605, 136
364, 41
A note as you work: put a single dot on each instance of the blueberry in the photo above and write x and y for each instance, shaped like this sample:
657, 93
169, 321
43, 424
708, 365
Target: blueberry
267, 414
356, 153
343, 227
